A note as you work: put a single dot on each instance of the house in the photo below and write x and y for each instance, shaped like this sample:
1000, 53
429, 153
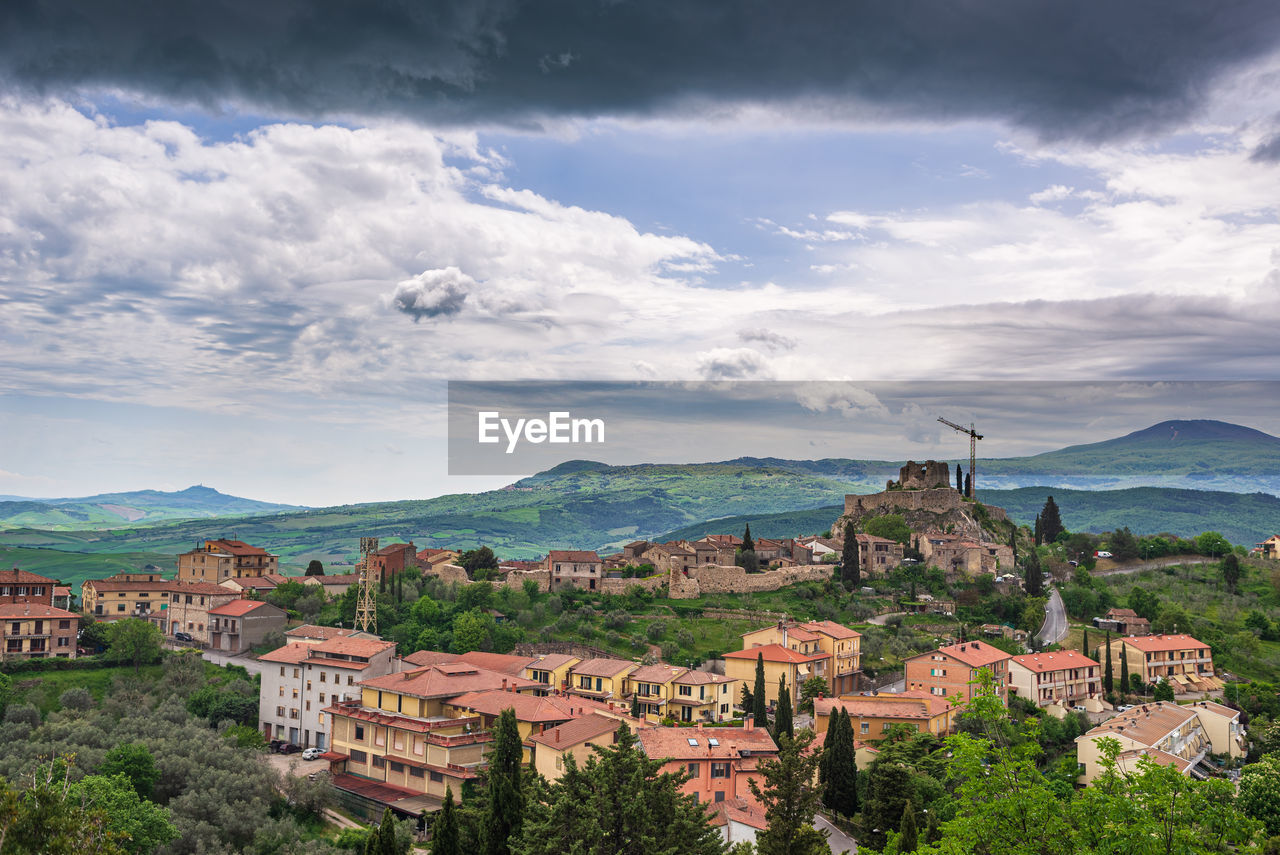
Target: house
333, 586
258, 586
188, 607
719, 760
820, 547
126, 595
964, 555
1167, 733
237, 626
701, 696
551, 670
534, 714
1270, 548
423, 692
1180, 659
431, 557
602, 679
651, 685
391, 560
873, 715
312, 634
551, 747
843, 647
669, 558
1124, 622
792, 665
571, 568
62, 597
304, 677
500, 663
219, 560
878, 554
768, 550
633, 551
1065, 677
31, 627
948, 671
739, 821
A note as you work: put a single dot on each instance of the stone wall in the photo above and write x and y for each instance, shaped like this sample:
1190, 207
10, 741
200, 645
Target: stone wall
939, 500
568, 648
927, 475
515, 579
447, 573
718, 579
620, 586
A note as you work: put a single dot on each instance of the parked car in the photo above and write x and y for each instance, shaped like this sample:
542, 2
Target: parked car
1074, 563
184, 636
1078, 708
1102, 554
1124, 707
312, 754
289, 748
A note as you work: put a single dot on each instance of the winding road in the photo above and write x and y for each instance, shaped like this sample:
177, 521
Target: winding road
1054, 628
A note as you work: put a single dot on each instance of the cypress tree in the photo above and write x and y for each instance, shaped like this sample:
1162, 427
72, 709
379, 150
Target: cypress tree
840, 764
782, 718
1124, 670
1038, 532
635, 706
748, 545
1084, 645
968, 485
1107, 680
850, 563
504, 811
1050, 521
444, 832
959, 478
761, 703
907, 831
387, 834
1013, 544
1033, 577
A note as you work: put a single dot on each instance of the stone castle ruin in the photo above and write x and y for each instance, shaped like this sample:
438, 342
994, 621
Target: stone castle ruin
923, 495
929, 475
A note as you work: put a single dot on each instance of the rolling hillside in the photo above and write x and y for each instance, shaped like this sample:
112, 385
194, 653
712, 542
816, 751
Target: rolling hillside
140, 506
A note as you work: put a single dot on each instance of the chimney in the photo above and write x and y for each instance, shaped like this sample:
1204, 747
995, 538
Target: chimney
699, 725
504, 684
820, 695
557, 735
748, 722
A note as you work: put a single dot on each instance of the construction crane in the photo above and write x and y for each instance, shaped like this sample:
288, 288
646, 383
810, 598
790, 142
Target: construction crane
366, 611
974, 436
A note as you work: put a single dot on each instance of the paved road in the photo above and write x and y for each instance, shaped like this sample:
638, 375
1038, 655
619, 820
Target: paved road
880, 620
836, 839
1055, 620
253, 666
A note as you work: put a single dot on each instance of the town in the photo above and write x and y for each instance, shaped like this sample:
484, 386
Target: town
399, 729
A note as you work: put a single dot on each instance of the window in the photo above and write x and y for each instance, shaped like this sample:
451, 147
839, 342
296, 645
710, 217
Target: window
398, 768
351, 680
322, 675
322, 718
866, 727
308, 706
282, 691
719, 795
437, 777
358, 756
280, 711
64, 642
322, 697
379, 762
694, 770
120, 607
64, 624
719, 770
415, 772
281, 674
360, 731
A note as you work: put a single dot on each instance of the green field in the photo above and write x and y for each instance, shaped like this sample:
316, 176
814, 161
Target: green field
72, 568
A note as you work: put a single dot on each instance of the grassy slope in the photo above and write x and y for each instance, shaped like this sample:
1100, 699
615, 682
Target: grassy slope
72, 568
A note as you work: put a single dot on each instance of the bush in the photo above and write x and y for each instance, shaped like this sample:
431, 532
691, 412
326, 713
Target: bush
76, 698
22, 714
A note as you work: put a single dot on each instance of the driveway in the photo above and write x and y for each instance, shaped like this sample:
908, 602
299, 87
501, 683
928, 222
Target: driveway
836, 839
253, 666
1055, 620
880, 620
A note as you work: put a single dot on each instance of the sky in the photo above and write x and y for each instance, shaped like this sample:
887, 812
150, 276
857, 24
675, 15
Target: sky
248, 244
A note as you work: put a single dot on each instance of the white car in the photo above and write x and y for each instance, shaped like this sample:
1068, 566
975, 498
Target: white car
312, 754
1103, 554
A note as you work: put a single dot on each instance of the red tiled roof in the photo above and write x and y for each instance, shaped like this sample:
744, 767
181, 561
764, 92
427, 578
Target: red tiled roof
831, 628
975, 654
1041, 663
500, 662
530, 708
880, 706
552, 661
659, 673
775, 653
576, 731
206, 588
689, 743
447, 681
346, 646
338, 579
573, 555
699, 678
602, 667
238, 547
313, 631
423, 658
291, 654
22, 577
238, 608
393, 548
1162, 643
19, 610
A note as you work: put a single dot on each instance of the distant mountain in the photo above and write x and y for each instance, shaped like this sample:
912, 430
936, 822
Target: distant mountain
110, 510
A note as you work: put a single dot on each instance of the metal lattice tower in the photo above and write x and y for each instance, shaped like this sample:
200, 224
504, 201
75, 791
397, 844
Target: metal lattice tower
366, 611
974, 436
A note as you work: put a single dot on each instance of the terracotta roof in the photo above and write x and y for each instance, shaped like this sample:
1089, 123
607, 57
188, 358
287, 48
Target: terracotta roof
873, 539
346, 646
257, 583
691, 743
1118, 613
430, 657
1127, 761
1211, 706
975, 654
446, 681
394, 548
207, 588
432, 552
15, 610
831, 628
530, 708
1146, 724
884, 706
552, 661
338, 579
238, 547
657, 673
636, 543
22, 577
572, 555
500, 662
1162, 643
602, 667
292, 653
62, 590
577, 731
237, 608
1041, 663
775, 653
738, 810
311, 630
699, 678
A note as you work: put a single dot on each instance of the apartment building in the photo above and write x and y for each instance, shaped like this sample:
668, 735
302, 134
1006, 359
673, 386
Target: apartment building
188, 608
842, 645
218, 560
534, 713
948, 671
873, 715
551, 670
878, 554
1180, 659
779, 661
237, 626
702, 697
572, 568
1065, 677
20, 586
719, 760
302, 678
1166, 733
259, 586
126, 595
602, 680
31, 627
553, 746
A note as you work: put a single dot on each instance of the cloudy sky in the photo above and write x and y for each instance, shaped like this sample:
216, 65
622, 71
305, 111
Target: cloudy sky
246, 244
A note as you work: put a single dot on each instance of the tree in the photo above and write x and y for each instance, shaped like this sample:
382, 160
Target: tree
1162, 691
888, 791
1260, 792
968, 484
790, 799
1212, 543
810, 689
444, 831
141, 826
134, 640
761, 710
840, 766
1084, 645
907, 830
386, 837
1050, 521
314, 568
504, 813
135, 763
1122, 545
959, 479
1231, 571
474, 560
1107, 676
6, 692
748, 545
1144, 603
889, 526
747, 701
1013, 544
747, 560
1124, 669
635, 706
850, 565
1033, 576
1038, 532
782, 718
46, 818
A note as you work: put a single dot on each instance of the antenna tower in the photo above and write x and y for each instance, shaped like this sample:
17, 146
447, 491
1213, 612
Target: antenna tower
366, 612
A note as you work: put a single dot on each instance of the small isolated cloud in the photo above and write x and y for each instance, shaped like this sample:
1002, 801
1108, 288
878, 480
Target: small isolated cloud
770, 339
1055, 193
433, 293
848, 399
732, 363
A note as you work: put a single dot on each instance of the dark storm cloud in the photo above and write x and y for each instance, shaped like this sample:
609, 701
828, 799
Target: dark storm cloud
1088, 69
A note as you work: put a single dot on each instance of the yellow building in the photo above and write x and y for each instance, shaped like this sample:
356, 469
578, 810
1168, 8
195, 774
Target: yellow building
126, 595
843, 647
551, 670
653, 687
873, 715
701, 696
1187, 664
1166, 733
218, 560
553, 746
792, 665
534, 713
602, 679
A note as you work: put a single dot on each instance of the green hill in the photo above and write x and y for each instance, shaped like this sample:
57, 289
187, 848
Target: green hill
108, 510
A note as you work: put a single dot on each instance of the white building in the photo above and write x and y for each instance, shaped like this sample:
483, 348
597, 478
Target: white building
300, 679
